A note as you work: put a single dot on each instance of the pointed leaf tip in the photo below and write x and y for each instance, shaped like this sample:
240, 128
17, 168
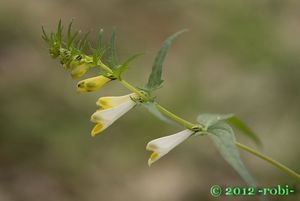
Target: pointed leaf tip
154, 80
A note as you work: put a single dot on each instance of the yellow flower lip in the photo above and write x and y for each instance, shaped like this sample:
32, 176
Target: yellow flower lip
92, 84
97, 129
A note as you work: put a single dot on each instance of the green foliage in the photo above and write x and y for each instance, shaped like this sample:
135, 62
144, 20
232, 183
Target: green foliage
111, 59
124, 66
223, 137
241, 126
155, 81
208, 120
100, 48
54, 40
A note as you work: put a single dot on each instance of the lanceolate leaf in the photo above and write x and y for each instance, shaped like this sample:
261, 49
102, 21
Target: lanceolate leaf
224, 139
155, 81
100, 49
111, 52
124, 66
241, 126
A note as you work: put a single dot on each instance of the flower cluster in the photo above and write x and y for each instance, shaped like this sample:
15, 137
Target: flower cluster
111, 108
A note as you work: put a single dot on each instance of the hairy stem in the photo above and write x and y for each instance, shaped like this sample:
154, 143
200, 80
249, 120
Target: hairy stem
269, 160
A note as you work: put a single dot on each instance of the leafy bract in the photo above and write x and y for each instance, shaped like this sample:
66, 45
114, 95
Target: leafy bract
223, 137
155, 81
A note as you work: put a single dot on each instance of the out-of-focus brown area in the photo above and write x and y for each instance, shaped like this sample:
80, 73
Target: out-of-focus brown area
239, 56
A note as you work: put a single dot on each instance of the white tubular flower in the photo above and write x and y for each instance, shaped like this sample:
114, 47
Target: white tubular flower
164, 145
112, 108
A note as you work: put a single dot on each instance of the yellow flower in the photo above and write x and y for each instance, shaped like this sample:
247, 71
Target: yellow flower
79, 70
112, 108
164, 145
92, 84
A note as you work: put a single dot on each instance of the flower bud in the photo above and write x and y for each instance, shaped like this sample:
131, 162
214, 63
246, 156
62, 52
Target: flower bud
79, 70
92, 84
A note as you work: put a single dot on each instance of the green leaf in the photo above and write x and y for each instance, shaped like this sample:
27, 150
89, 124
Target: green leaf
99, 45
45, 35
100, 49
82, 42
155, 81
71, 37
112, 60
208, 119
59, 32
223, 137
241, 126
123, 67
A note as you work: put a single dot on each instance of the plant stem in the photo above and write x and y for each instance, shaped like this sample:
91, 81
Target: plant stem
174, 117
133, 89
190, 126
269, 160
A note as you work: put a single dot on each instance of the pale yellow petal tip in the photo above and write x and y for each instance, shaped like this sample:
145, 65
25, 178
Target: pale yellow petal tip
152, 159
97, 129
103, 102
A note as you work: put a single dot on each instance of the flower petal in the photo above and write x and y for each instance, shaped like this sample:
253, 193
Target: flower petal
113, 101
164, 145
97, 129
107, 117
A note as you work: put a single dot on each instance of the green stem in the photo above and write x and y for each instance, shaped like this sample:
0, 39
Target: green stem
190, 126
269, 160
133, 89
174, 117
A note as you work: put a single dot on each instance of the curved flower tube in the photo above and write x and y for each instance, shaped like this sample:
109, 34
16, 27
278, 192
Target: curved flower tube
112, 108
92, 84
164, 145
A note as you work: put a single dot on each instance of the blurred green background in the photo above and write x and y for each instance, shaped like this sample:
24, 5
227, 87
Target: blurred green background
239, 56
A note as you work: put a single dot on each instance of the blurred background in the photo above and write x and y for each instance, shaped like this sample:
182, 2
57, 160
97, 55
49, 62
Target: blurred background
239, 56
